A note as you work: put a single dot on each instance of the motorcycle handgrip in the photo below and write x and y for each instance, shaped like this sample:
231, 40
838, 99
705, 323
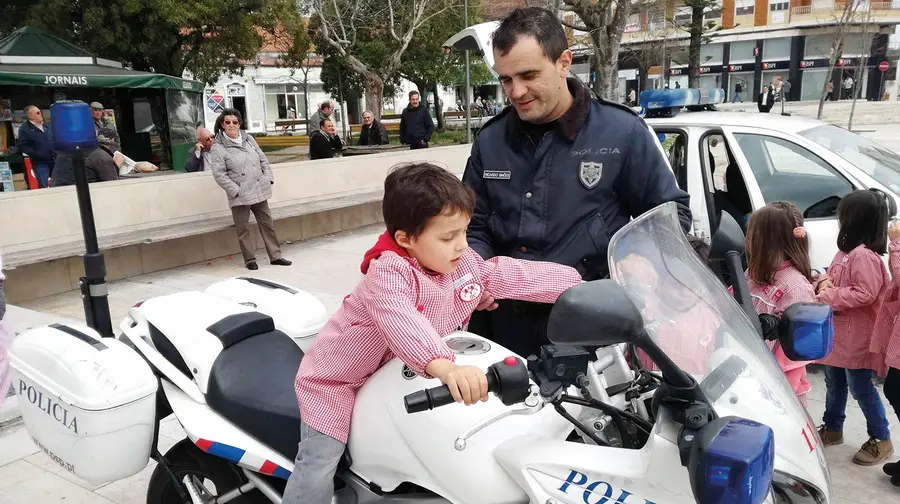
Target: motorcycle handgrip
510, 371
427, 399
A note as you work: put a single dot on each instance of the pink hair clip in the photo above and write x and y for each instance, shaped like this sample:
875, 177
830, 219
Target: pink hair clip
799, 232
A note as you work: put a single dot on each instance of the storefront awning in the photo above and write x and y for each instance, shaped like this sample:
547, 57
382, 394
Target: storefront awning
90, 76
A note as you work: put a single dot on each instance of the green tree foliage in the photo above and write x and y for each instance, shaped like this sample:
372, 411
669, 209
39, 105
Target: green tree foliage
205, 37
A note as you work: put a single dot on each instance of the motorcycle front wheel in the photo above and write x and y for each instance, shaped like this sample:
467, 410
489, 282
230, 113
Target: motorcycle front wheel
217, 475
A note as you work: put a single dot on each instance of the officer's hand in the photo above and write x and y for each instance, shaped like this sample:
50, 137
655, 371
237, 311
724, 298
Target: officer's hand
487, 302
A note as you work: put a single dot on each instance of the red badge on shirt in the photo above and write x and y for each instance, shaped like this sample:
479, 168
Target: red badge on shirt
470, 292
774, 293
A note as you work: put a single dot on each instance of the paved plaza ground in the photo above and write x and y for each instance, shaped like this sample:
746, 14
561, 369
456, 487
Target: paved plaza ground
328, 267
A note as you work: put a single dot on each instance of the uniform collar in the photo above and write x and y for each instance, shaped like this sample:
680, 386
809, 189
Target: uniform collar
570, 123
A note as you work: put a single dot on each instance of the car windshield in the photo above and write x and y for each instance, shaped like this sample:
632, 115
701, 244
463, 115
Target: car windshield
877, 161
693, 318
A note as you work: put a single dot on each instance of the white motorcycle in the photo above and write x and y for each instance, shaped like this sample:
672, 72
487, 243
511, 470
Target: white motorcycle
572, 426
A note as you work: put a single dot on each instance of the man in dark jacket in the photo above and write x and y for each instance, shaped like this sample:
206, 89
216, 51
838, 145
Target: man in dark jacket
194, 160
324, 142
373, 132
557, 173
36, 140
99, 166
416, 126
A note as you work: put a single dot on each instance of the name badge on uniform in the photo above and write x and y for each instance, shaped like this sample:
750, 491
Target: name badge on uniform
774, 293
590, 174
470, 292
496, 175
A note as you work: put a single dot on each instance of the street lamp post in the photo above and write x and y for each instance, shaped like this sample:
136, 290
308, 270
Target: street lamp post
74, 136
468, 99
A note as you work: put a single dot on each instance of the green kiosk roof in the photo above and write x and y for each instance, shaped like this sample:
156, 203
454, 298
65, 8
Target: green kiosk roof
31, 57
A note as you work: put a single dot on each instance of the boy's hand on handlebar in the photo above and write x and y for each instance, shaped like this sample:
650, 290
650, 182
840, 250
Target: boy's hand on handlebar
467, 384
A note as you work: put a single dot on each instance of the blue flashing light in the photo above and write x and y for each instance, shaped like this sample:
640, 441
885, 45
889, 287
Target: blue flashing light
670, 101
73, 126
810, 329
738, 464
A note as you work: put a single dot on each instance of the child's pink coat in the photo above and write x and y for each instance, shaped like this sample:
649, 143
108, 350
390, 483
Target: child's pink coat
788, 286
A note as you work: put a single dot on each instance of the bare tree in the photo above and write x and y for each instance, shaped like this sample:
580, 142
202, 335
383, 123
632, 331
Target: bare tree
653, 49
843, 22
348, 26
604, 23
866, 18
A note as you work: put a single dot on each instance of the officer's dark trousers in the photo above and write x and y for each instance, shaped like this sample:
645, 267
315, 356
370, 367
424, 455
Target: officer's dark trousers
517, 325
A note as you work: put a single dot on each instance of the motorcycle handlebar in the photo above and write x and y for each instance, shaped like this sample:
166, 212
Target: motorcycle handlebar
507, 379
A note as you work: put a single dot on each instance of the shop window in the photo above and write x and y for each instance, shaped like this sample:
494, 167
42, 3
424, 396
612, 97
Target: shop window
711, 54
817, 46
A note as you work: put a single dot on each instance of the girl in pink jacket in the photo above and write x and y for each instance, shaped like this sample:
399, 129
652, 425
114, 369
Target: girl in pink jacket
779, 274
855, 288
887, 332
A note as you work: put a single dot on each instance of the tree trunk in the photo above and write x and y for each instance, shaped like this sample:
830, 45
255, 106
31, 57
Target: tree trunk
374, 94
831, 65
694, 49
438, 108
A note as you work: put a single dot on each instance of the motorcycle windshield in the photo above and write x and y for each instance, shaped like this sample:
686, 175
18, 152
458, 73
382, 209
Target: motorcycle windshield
697, 323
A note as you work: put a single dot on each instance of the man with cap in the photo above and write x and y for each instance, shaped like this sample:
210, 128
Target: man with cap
99, 166
102, 122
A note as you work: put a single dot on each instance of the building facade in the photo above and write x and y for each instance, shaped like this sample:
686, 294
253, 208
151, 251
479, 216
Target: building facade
756, 41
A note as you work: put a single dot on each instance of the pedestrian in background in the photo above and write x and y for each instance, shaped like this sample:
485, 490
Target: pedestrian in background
36, 140
416, 126
242, 170
104, 123
194, 161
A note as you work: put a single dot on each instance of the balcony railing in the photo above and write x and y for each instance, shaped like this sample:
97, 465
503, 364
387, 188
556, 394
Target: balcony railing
839, 7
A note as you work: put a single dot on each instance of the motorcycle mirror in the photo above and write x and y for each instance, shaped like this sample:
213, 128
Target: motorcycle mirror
732, 461
806, 331
728, 237
597, 313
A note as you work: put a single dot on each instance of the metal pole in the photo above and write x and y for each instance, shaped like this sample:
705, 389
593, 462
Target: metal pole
468, 99
94, 290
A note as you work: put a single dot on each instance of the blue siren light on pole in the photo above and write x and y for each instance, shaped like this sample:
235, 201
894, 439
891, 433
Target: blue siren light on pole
72, 126
668, 102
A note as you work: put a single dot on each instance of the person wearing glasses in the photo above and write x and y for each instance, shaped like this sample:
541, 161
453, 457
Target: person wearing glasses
242, 170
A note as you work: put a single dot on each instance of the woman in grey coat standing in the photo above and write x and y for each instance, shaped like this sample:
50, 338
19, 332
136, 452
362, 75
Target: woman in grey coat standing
242, 170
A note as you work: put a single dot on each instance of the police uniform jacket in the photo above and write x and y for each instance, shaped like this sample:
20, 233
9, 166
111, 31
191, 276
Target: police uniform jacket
559, 192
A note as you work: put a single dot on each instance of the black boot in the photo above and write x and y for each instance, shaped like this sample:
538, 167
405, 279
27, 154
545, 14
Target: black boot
252, 266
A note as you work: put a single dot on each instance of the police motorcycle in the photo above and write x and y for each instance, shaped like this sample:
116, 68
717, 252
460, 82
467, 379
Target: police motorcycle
730, 430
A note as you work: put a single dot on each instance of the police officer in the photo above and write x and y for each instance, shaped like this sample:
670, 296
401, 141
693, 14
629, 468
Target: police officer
555, 174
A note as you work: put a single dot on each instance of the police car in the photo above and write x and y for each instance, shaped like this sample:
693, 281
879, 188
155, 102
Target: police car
737, 162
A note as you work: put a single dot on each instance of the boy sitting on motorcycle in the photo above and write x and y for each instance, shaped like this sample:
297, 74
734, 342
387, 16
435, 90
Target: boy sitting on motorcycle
421, 283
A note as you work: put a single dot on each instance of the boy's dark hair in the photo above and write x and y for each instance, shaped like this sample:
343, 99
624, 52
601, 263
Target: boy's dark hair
531, 22
415, 193
701, 248
863, 219
771, 240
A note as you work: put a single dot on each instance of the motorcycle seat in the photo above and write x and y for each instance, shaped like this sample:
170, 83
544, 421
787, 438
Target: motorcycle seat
252, 384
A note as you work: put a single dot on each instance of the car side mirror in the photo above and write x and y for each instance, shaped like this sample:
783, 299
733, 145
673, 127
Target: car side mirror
824, 208
728, 237
732, 460
597, 313
806, 331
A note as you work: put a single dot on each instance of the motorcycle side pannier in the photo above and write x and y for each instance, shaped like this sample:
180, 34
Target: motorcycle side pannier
297, 313
88, 402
